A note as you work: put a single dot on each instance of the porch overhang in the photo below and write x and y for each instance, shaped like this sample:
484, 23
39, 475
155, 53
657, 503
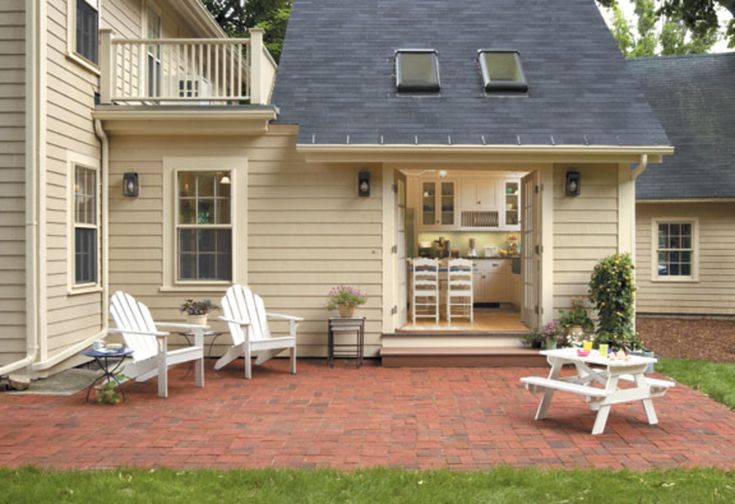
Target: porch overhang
189, 120
428, 154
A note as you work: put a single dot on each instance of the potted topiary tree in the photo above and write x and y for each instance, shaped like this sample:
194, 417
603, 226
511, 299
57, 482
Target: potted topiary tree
612, 291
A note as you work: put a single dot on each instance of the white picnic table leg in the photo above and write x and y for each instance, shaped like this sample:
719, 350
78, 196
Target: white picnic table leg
640, 381
199, 363
543, 406
604, 411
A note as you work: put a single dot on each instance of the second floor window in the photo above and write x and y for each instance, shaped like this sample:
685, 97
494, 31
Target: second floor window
203, 226
87, 29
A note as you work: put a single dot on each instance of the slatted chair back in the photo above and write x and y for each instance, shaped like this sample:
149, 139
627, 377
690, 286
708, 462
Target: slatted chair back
459, 271
240, 303
130, 314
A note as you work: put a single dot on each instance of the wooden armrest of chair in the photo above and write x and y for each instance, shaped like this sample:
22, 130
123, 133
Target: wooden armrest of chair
234, 321
280, 316
157, 334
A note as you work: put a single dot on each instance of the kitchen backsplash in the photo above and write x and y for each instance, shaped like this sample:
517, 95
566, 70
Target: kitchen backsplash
461, 240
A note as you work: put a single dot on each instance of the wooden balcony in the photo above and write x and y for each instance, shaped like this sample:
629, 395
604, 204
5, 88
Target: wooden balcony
186, 71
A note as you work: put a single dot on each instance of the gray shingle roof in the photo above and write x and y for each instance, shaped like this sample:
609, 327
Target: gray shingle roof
336, 74
694, 98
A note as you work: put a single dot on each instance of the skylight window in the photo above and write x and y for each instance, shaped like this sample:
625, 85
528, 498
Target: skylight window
417, 70
502, 71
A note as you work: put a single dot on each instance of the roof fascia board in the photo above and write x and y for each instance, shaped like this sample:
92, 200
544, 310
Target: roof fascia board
158, 122
479, 154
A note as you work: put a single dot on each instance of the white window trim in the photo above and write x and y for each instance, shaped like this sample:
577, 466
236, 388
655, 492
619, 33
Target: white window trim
71, 36
238, 168
694, 277
72, 161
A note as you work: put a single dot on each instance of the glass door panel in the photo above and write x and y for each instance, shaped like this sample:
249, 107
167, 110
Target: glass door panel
428, 203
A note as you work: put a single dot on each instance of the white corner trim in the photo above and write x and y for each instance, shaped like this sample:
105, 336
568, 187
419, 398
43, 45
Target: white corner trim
238, 168
694, 221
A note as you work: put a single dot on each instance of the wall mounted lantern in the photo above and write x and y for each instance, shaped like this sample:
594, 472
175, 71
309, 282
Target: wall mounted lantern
573, 186
363, 184
131, 186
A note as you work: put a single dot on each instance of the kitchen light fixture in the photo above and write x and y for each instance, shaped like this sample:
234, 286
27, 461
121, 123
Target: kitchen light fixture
573, 186
225, 180
363, 184
131, 186
443, 173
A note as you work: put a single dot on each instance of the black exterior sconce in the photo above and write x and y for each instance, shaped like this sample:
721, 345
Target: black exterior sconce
131, 185
573, 185
363, 184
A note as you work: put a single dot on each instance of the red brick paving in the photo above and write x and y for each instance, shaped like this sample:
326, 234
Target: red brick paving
464, 418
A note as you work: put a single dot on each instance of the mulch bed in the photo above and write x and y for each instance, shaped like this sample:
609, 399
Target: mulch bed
683, 338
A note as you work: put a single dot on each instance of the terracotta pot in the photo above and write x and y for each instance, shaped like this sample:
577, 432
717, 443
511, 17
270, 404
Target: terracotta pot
346, 311
197, 319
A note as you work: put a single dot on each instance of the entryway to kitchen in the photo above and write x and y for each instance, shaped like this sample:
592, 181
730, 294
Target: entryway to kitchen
466, 257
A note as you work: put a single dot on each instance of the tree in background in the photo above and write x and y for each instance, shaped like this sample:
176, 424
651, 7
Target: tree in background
658, 33
236, 16
699, 17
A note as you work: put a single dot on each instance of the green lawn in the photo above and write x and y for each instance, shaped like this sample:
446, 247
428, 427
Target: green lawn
717, 380
503, 485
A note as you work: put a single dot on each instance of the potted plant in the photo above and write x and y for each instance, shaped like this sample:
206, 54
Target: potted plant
576, 322
107, 393
197, 311
345, 299
550, 334
534, 339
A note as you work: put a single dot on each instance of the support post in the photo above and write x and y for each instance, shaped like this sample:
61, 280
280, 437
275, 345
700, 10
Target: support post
107, 66
257, 91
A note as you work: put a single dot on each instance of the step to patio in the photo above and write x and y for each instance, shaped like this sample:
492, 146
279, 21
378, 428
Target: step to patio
453, 339
461, 357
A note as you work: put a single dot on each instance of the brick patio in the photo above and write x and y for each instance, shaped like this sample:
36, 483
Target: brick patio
347, 418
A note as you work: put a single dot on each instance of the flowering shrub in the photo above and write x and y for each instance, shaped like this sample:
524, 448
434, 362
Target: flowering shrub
344, 295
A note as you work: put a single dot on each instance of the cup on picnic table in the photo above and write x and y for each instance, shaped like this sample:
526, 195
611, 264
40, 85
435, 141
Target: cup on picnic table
603, 349
587, 345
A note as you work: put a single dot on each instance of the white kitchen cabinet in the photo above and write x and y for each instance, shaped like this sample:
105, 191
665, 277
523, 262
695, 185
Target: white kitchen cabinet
490, 281
479, 194
438, 203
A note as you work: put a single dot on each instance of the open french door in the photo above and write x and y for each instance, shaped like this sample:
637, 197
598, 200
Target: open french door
400, 267
531, 249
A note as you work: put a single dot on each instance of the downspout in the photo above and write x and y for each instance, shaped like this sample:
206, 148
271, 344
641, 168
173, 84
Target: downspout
34, 23
641, 167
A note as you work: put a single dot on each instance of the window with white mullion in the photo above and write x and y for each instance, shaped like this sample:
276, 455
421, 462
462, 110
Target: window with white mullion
675, 250
86, 229
203, 226
86, 29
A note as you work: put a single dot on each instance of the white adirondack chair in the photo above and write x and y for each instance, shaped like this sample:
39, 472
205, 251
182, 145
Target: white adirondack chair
149, 343
247, 321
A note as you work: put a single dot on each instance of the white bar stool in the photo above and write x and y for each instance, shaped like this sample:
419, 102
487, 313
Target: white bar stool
460, 296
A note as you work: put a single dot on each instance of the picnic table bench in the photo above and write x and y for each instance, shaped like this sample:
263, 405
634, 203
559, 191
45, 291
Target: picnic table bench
594, 369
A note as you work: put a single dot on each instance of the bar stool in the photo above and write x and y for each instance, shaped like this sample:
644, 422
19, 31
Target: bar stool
459, 289
425, 286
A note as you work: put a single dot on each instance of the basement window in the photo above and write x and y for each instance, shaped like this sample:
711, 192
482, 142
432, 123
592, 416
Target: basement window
502, 70
417, 71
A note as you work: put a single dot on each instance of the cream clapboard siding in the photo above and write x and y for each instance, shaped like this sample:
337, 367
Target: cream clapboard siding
585, 229
307, 229
714, 293
70, 129
12, 177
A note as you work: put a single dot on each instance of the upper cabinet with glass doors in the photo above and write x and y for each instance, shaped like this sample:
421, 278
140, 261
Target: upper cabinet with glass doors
438, 203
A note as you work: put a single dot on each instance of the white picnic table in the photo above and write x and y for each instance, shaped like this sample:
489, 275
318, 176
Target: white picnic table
605, 372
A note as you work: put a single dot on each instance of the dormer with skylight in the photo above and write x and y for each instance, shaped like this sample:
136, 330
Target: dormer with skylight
417, 71
502, 71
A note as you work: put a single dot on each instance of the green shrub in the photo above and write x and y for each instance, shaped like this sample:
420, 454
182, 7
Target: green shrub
612, 291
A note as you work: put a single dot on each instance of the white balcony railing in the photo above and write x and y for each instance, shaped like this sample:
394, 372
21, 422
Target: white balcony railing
185, 71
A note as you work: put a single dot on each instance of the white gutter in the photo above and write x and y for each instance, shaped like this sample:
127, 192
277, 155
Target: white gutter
642, 165
484, 149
